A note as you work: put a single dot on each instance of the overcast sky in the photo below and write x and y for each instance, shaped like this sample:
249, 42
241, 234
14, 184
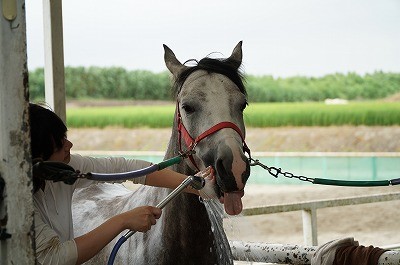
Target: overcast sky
280, 37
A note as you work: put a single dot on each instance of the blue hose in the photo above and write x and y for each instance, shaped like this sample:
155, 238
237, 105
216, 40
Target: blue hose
115, 250
134, 174
122, 176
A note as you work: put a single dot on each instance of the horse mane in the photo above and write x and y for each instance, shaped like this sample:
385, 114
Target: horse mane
226, 67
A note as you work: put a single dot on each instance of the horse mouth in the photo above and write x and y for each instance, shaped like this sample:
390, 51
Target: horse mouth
232, 201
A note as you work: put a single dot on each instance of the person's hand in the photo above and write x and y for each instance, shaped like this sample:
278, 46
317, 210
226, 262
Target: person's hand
141, 218
208, 172
208, 191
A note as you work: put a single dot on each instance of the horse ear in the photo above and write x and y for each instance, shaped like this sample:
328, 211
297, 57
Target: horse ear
236, 56
173, 65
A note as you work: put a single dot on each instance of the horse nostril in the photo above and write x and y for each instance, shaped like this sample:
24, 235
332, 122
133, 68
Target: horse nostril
246, 173
220, 168
226, 179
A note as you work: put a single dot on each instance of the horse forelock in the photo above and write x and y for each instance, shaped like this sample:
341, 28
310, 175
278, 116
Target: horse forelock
226, 67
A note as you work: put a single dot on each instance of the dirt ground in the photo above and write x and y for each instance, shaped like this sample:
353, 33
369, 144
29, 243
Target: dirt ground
287, 139
370, 224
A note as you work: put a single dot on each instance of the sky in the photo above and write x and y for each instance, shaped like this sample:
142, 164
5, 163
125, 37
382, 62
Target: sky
281, 38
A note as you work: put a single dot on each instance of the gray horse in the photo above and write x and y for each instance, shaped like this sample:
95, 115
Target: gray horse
210, 99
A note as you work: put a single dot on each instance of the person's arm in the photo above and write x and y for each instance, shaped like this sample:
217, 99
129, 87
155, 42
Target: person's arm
167, 178
139, 219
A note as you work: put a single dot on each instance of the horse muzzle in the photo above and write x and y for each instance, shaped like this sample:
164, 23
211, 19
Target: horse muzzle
232, 171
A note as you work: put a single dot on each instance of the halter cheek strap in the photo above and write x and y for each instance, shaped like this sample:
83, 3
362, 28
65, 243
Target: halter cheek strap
191, 142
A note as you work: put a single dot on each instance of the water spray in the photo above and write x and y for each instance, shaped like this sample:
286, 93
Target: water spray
194, 181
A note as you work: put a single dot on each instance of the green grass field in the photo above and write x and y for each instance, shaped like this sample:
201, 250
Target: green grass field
374, 113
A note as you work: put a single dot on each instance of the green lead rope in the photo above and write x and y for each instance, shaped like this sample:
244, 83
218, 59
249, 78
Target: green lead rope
276, 172
350, 183
170, 162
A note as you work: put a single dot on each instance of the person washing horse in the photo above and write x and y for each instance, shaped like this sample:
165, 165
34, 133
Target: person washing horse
55, 242
208, 125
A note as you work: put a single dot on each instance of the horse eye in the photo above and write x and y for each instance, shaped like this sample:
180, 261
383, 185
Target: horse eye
188, 109
243, 106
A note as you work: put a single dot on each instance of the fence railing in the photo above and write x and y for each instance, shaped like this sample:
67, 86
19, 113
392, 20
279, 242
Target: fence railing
309, 211
289, 254
295, 254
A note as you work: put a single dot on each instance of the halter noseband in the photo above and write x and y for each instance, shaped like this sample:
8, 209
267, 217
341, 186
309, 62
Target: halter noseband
191, 142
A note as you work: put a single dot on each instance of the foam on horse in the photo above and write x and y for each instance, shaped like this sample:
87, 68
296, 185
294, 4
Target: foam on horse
207, 94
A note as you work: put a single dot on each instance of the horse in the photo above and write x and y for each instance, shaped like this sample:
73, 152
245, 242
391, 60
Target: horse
210, 99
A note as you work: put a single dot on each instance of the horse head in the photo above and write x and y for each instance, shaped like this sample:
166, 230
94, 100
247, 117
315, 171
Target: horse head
211, 98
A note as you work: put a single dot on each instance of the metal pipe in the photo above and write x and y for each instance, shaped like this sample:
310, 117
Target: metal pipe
194, 181
271, 253
289, 254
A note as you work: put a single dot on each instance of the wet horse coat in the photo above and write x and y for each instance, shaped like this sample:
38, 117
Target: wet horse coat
207, 94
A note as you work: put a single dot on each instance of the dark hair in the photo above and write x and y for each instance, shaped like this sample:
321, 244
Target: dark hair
47, 134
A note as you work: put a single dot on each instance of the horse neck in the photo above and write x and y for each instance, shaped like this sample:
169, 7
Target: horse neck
187, 228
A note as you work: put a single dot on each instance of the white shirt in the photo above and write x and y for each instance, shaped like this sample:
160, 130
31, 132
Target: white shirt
53, 214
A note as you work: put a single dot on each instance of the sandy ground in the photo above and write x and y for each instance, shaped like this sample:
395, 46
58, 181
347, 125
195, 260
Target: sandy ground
370, 224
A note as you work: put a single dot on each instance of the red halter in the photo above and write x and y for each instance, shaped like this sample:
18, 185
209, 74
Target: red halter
191, 142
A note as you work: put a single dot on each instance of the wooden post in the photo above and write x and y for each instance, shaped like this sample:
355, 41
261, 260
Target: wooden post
54, 57
15, 154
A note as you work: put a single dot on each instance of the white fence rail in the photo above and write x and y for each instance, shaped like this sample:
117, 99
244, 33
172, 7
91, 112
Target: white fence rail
289, 254
294, 254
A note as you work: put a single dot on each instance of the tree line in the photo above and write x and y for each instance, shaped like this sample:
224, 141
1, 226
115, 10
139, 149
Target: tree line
119, 83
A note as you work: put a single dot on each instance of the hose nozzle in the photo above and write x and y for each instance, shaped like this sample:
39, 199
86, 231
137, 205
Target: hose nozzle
197, 182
